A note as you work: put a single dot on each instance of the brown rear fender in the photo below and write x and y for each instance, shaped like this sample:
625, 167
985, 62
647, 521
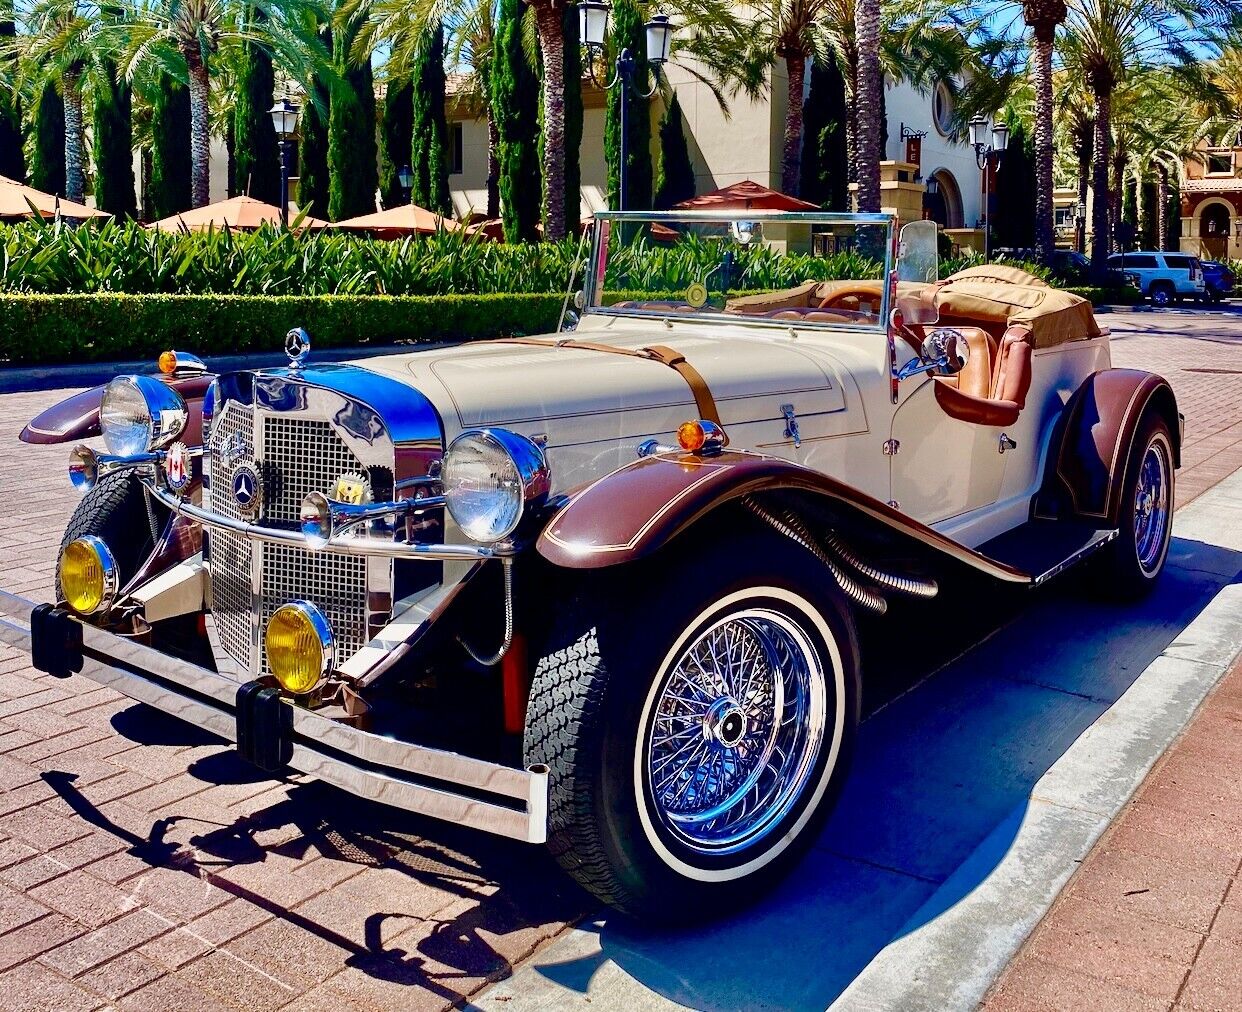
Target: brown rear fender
646, 504
77, 416
1100, 423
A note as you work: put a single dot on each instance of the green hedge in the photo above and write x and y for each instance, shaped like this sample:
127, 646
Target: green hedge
1109, 296
92, 328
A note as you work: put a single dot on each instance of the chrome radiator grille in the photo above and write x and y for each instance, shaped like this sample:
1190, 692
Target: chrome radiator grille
296, 456
231, 597
301, 456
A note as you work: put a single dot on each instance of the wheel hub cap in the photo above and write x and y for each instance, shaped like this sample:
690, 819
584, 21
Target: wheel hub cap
737, 726
1151, 507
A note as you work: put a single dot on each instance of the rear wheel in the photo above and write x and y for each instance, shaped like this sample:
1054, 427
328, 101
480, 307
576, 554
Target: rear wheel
1162, 294
1132, 562
697, 728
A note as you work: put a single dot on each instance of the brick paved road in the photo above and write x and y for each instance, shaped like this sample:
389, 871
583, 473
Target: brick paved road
142, 865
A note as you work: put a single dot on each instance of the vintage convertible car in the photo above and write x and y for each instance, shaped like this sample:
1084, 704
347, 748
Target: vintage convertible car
600, 589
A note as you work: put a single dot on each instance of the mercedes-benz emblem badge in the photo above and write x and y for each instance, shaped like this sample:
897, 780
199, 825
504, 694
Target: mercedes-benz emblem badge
247, 488
297, 346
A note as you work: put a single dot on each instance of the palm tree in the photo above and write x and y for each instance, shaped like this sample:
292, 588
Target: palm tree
61, 43
186, 35
869, 92
1106, 40
1043, 17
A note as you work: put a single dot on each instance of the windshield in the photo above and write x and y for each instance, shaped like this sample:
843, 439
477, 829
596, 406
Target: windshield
813, 269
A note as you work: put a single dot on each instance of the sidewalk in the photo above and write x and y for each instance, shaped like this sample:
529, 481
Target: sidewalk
1153, 917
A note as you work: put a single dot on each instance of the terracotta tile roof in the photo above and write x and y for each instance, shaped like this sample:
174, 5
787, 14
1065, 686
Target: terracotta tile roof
1214, 184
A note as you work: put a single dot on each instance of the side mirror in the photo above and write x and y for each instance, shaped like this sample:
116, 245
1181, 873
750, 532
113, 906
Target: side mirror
946, 351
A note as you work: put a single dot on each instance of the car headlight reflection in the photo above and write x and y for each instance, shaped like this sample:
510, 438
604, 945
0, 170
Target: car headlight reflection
88, 575
140, 413
490, 478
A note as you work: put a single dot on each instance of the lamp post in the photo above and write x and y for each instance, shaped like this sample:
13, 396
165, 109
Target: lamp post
1080, 227
931, 188
593, 28
285, 118
983, 158
405, 177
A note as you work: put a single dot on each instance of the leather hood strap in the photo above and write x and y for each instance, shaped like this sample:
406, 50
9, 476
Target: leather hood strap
675, 360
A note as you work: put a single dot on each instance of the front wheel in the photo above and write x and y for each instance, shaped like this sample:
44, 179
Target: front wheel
698, 729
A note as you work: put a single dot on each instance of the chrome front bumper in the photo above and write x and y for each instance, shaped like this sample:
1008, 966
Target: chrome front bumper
442, 785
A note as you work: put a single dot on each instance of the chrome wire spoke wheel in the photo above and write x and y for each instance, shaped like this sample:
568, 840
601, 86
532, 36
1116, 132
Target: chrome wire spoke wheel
1152, 506
737, 727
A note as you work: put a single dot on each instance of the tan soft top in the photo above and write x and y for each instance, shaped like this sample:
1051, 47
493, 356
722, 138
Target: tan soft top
993, 296
1054, 316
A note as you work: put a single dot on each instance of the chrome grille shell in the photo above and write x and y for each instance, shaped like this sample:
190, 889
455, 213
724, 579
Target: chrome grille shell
302, 434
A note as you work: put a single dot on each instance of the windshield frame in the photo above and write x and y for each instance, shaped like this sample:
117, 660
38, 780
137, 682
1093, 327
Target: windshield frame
706, 316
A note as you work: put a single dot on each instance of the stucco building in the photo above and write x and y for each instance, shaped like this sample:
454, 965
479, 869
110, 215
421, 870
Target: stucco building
1211, 191
745, 143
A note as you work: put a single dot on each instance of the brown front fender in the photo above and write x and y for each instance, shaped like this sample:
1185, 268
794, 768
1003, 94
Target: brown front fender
77, 416
1099, 426
632, 512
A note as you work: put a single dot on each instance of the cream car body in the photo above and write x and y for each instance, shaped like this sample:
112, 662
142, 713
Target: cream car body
630, 552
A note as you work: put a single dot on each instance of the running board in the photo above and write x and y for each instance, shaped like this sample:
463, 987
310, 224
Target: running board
1045, 548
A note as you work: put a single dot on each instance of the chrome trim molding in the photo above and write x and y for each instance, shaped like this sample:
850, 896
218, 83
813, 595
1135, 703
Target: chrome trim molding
348, 546
495, 799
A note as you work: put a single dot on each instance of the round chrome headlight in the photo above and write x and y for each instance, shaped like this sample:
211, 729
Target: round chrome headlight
490, 478
140, 413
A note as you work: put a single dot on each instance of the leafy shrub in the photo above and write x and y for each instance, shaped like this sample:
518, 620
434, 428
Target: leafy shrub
1127, 296
61, 328
56, 258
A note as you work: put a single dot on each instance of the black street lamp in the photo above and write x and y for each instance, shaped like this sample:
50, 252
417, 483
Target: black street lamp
593, 28
1080, 227
405, 177
983, 158
285, 119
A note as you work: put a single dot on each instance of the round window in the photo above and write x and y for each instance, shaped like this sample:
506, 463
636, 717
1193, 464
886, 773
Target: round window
942, 109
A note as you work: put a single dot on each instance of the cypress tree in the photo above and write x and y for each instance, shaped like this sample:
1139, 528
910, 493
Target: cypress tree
674, 171
256, 151
12, 158
429, 142
47, 155
825, 156
168, 190
396, 136
114, 143
1013, 224
313, 157
515, 103
353, 175
628, 32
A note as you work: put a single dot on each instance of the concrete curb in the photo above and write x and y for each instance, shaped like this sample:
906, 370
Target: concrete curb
955, 945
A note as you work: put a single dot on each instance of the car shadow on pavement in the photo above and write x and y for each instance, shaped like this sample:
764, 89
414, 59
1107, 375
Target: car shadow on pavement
939, 769
485, 888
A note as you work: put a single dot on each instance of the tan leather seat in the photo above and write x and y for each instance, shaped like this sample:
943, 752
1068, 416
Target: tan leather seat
1005, 395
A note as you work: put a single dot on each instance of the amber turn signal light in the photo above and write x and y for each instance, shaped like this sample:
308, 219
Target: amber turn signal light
168, 362
701, 436
691, 436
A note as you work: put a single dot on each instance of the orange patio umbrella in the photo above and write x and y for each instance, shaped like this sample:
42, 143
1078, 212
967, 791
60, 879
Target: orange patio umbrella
236, 212
397, 222
16, 198
746, 196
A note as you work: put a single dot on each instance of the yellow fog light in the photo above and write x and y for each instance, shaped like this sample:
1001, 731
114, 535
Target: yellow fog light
300, 646
88, 575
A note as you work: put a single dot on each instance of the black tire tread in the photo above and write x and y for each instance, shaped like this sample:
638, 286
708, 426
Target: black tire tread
566, 703
114, 511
